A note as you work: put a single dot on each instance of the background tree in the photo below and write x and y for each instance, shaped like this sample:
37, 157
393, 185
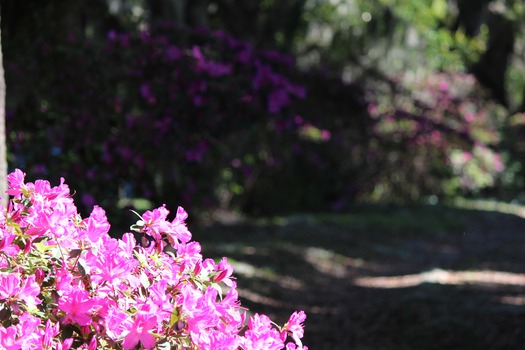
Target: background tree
3, 159
382, 79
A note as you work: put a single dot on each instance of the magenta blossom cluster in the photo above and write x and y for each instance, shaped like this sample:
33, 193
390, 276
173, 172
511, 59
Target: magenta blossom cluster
204, 97
65, 283
444, 128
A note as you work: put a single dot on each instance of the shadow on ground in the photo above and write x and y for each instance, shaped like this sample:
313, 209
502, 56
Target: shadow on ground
384, 278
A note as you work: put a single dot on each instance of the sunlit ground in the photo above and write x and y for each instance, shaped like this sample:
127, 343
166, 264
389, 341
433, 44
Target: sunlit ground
427, 277
493, 278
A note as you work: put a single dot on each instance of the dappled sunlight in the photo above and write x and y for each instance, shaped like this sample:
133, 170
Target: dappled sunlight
336, 265
412, 275
248, 270
491, 205
438, 276
324, 261
255, 297
516, 300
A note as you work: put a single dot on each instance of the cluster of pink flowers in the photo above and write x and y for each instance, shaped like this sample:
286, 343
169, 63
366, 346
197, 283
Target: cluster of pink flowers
65, 283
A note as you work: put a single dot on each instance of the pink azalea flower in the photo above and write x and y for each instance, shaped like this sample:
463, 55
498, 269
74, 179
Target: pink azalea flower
8, 337
117, 322
77, 306
295, 326
59, 196
179, 231
15, 182
217, 340
30, 335
261, 334
24, 335
6, 240
157, 294
155, 223
114, 291
92, 344
64, 278
65, 345
97, 225
26, 291
111, 267
50, 332
225, 273
140, 331
293, 346
190, 252
128, 243
229, 308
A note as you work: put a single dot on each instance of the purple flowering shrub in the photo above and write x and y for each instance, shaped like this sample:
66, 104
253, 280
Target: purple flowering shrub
65, 283
204, 119
163, 114
442, 130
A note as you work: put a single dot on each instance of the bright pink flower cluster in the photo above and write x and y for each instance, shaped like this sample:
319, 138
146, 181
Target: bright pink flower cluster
65, 283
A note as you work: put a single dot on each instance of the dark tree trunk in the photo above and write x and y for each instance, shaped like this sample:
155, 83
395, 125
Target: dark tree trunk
471, 16
192, 13
167, 10
492, 67
3, 160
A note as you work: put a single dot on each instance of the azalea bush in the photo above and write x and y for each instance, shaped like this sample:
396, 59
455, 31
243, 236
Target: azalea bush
65, 283
443, 133
203, 119
166, 114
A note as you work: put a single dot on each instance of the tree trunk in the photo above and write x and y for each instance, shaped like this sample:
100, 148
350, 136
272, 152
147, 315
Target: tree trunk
491, 69
3, 160
168, 10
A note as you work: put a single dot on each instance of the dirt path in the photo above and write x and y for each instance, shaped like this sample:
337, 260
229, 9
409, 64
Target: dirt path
389, 278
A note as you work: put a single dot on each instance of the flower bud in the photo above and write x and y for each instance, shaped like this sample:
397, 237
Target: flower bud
197, 269
85, 330
220, 276
39, 275
27, 248
93, 344
66, 345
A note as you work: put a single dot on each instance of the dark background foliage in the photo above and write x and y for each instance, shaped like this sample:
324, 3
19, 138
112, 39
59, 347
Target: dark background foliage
266, 106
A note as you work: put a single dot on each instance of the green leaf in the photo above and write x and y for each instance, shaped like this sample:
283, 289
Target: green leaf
174, 318
217, 288
439, 8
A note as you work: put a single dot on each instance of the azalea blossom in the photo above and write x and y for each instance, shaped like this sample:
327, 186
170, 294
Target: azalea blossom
16, 289
140, 331
65, 282
77, 305
295, 326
